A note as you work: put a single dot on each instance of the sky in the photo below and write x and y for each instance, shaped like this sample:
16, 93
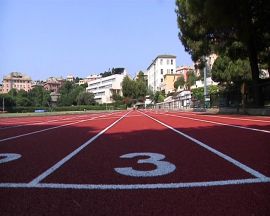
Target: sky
44, 38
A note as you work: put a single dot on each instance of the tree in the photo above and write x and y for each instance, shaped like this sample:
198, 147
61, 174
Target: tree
9, 101
135, 90
39, 96
22, 98
141, 88
158, 97
69, 93
191, 79
179, 82
239, 28
225, 70
85, 98
127, 87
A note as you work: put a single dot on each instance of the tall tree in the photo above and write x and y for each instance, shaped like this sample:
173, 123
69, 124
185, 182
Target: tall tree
191, 79
39, 96
127, 87
225, 70
218, 26
69, 92
85, 98
136, 90
179, 82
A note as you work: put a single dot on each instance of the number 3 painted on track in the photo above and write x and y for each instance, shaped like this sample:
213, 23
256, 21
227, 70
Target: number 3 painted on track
162, 167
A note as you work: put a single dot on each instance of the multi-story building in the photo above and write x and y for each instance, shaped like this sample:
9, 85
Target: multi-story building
183, 70
70, 78
53, 84
92, 77
16, 80
104, 88
162, 65
89, 78
168, 84
209, 62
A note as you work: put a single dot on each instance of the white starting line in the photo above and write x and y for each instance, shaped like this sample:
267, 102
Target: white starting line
135, 186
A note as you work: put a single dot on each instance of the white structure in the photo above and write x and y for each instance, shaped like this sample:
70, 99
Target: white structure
200, 83
104, 88
70, 78
162, 65
180, 101
92, 77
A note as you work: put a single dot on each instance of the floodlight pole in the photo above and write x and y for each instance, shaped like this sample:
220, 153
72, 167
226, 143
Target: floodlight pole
204, 79
3, 104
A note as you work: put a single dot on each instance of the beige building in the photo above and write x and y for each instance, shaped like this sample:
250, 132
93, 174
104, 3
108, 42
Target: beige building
53, 84
168, 83
16, 80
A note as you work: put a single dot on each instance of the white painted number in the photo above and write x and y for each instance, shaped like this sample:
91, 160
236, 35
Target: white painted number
162, 167
6, 157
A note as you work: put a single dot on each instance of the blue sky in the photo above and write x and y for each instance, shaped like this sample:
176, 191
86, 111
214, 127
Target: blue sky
44, 38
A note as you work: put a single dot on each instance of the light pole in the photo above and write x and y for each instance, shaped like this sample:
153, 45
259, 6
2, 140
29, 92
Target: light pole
205, 82
3, 104
154, 77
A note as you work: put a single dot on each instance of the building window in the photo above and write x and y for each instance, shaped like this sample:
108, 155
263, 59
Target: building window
161, 61
171, 71
168, 61
161, 80
171, 61
161, 71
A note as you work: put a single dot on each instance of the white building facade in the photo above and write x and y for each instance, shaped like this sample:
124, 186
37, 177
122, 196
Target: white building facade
162, 65
104, 88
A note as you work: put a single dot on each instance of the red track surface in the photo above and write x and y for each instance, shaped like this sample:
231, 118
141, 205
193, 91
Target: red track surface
220, 169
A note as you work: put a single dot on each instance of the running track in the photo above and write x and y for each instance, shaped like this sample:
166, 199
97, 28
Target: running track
135, 163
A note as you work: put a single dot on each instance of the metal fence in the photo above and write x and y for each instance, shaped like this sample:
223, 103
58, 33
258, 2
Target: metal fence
232, 98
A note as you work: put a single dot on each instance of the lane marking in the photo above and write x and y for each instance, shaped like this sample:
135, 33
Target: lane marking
8, 157
242, 119
163, 167
51, 128
136, 186
220, 154
217, 123
39, 123
72, 154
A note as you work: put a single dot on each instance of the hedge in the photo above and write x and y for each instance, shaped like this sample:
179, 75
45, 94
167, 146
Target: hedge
66, 108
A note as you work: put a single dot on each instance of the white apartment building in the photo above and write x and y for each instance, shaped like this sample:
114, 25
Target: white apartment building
104, 88
162, 65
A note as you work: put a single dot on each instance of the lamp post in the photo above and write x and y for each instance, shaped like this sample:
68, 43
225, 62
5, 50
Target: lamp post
3, 104
154, 77
205, 82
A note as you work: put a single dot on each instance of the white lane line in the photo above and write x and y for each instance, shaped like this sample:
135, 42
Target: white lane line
72, 154
225, 157
136, 186
39, 123
50, 128
218, 123
224, 117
